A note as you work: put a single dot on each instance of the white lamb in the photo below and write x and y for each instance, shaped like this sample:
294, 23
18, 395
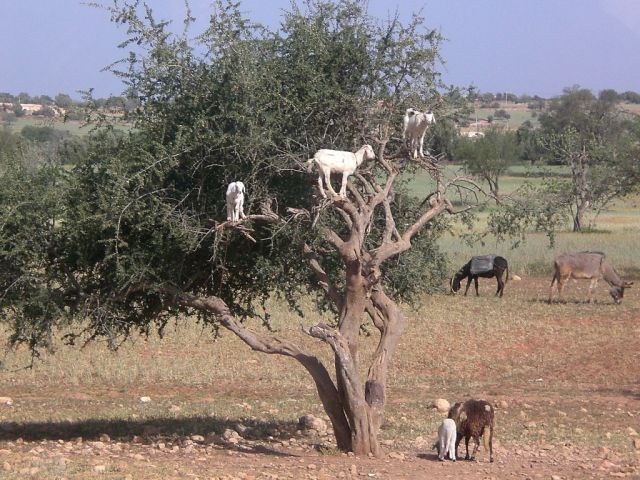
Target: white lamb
415, 127
447, 439
336, 161
235, 201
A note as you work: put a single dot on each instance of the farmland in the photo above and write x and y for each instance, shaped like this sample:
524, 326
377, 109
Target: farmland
564, 378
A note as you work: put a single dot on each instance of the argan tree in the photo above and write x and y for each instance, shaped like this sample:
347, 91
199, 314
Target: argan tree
135, 234
598, 143
489, 156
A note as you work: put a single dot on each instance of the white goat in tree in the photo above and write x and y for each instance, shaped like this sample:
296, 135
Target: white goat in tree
235, 201
336, 161
416, 124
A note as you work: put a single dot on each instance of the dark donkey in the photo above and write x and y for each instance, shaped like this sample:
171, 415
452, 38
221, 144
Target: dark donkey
485, 266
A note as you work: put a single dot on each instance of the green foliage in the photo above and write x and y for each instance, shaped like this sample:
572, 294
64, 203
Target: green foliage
501, 113
489, 156
599, 145
528, 213
139, 210
45, 111
18, 110
41, 134
63, 100
421, 268
31, 198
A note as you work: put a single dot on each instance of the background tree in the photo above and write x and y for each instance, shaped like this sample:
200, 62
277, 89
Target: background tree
597, 143
128, 240
63, 100
488, 157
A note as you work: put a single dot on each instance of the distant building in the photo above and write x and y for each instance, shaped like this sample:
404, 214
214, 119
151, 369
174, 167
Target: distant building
472, 134
31, 108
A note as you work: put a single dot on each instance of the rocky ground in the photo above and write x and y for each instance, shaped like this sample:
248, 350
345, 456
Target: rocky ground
307, 453
564, 380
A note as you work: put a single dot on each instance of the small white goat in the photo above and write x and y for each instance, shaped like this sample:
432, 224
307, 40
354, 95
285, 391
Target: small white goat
415, 127
235, 201
337, 161
447, 439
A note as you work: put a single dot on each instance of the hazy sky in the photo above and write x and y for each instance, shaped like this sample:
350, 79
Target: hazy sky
521, 46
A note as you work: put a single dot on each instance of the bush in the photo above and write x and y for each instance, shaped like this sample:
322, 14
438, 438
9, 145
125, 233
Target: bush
46, 112
41, 134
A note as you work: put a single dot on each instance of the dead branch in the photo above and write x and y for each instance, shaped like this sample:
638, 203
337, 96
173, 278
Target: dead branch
323, 279
340, 347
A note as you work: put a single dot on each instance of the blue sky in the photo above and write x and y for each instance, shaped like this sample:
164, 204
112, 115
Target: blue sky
521, 46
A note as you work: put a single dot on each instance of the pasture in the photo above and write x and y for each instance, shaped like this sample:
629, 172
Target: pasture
72, 127
564, 378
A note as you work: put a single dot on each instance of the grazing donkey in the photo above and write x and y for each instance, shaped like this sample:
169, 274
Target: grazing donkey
587, 265
485, 266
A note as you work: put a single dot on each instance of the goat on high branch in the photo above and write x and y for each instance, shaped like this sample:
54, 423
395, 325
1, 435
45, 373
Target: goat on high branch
337, 161
485, 266
590, 266
415, 126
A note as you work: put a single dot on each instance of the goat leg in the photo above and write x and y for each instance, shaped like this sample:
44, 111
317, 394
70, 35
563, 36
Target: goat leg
476, 439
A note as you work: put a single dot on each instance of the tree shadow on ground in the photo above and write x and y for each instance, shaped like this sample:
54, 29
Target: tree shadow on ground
571, 301
148, 430
429, 456
624, 392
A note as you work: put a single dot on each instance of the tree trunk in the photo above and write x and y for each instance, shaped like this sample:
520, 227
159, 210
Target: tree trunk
394, 324
579, 171
350, 385
494, 188
579, 215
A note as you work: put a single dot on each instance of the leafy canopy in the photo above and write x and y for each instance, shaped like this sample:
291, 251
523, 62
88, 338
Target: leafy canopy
139, 210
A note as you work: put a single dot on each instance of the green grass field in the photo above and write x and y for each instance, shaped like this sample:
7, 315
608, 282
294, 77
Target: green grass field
517, 116
72, 127
618, 228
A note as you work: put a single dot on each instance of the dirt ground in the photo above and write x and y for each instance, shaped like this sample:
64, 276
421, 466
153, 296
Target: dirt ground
567, 403
273, 460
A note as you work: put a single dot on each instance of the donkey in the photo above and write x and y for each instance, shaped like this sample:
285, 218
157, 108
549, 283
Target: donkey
587, 265
485, 266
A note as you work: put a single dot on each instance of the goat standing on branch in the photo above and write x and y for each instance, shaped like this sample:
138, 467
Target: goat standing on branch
330, 161
235, 201
416, 124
